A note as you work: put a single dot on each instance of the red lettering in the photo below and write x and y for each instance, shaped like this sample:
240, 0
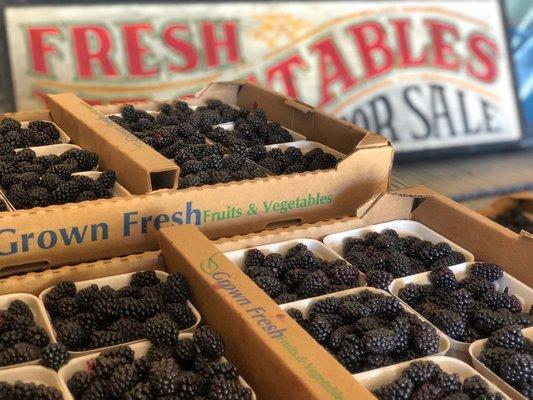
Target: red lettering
212, 44
39, 48
185, 49
86, 56
136, 51
285, 70
370, 46
444, 55
407, 58
485, 51
332, 69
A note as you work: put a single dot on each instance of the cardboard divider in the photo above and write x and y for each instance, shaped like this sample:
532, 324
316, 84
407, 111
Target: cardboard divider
133, 160
485, 239
253, 326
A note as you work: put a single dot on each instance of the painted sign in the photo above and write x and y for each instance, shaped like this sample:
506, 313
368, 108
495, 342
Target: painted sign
425, 74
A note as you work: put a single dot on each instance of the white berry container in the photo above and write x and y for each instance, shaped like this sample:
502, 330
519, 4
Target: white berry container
375, 378
117, 190
63, 137
404, 228
116, 282
460, 349
318, 249
36, 374
40, 316
140, 349
475, 351
306, 146
305, 305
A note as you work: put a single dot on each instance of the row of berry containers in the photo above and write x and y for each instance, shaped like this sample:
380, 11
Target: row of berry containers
19, 331
117, 190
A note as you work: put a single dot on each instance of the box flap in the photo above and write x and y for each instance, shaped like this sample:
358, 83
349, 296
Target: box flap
253, 325
139, 168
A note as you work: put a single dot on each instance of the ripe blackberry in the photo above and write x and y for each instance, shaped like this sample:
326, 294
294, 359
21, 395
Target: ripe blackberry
412, 293
209, 342
329, 305
516, 368
270, 285
176, 288
420, 372
443, 278
379, 279
491, 272
314, 284
185, 353
182, 314
448, 382
320, 329
106, 338
450, 323
487, 321
401, 389
80, 382
510, 338
424, 338
54, 356
498, 300
103, 367
494, 357
476, 285
129, 329
163, 377
161, 329
144, 278
72, 335
475, 386
107, 179
385, 307
141, 391
122, 379
344, 275
428, 391
19, 353
380, 341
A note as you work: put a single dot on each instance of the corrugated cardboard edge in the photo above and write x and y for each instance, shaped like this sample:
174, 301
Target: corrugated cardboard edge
486, 239
139, 168
24, 116
36, 282
254, 328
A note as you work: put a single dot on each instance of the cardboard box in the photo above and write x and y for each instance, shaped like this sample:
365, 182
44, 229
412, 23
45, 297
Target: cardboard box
522, 201
275, 355
73, 233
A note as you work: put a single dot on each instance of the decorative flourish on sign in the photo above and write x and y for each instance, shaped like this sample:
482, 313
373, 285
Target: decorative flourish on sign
276, 29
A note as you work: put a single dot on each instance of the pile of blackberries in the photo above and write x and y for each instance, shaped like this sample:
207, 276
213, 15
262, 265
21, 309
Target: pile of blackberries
95, 317
28, 390
423, 380
469, 309
515, 219
291, 160
299, 274
368, 330
207, 165
186, 369
29, 181
510, 356
21, 340
385, 256
14, 136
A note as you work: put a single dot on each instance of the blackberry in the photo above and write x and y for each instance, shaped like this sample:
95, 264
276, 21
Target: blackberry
329, 305
443, 278
209, 342
379, 279
367, 324
516, 368
176, 288
105, 338
163, 377
385, 307
498, 300
351, 354
451, 324
103, 367
320, 329
344, 275
475, 386
412, 293
54, 356
491, 272
270, 285
448, 383
420, 372
123, 352
487, 321
72, 335
161, 329
286, 298
107, 178
122, 379
374, 361
19, 353
401, 389
141, 391
296, 315
182, 314
425, 339
185, 353
379, 341
129, 329
510, 338
314, 284
225, 389
106, 310
144, 278
476, 285
67, 307
494, 357
85, 297
338, 336
428, 391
